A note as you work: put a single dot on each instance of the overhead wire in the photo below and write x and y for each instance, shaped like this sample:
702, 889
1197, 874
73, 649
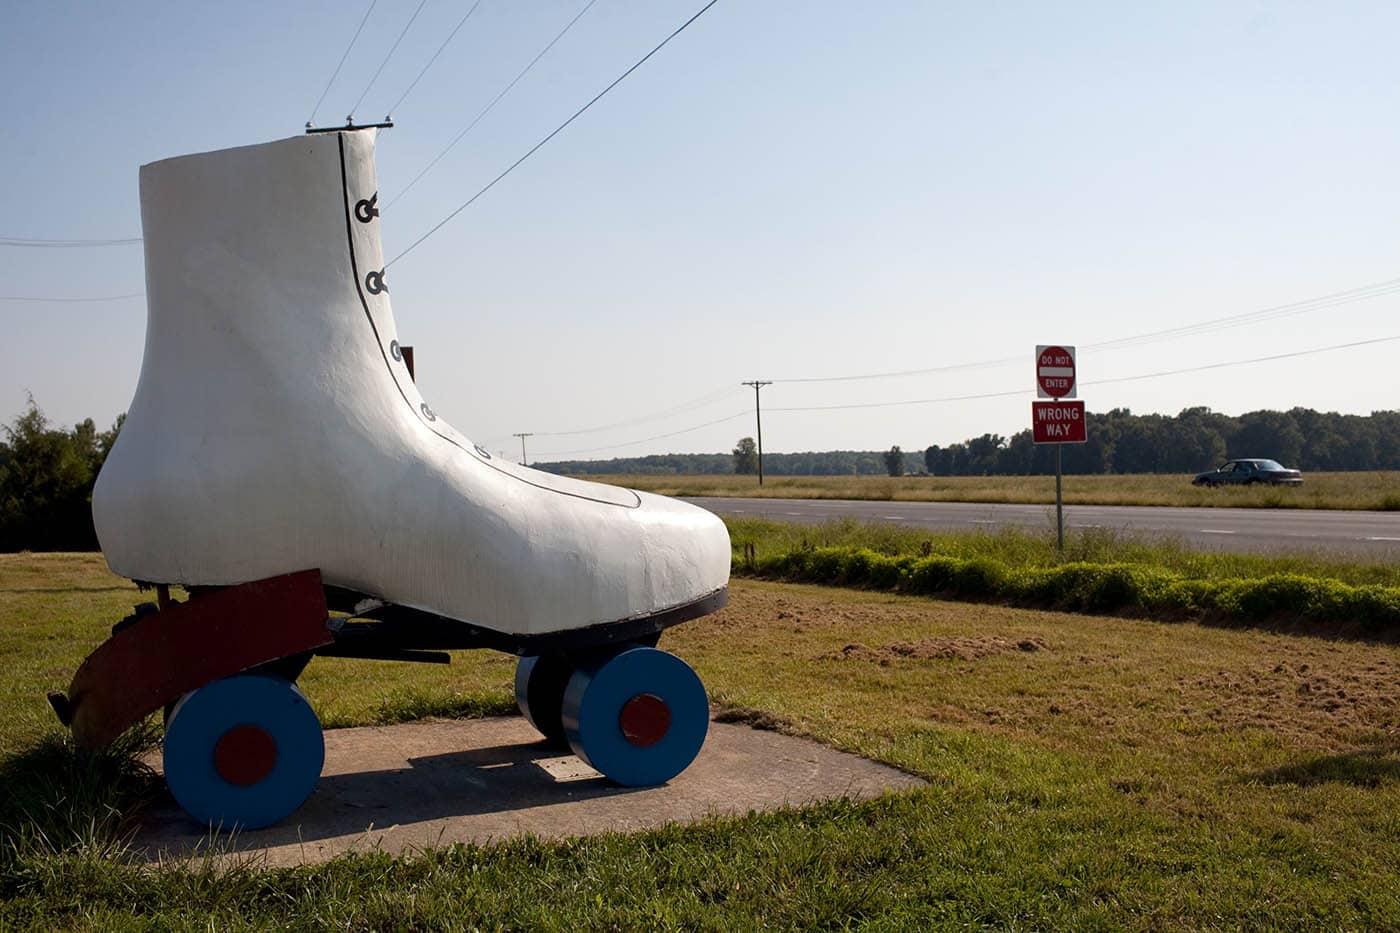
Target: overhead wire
1319, 303
358, 29
557, 130
35, 243
1331, 300
1094, 382
392, 49
699, 402
491, 106
1009, 393
1322, 302
84, 299
1258, 359
643, 440
450, 36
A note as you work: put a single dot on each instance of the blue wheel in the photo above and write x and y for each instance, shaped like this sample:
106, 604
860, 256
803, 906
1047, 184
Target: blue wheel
243, 752
638, 717
539, 692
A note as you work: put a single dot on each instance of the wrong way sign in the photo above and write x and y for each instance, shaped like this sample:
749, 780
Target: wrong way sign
1054, 372
1058, 423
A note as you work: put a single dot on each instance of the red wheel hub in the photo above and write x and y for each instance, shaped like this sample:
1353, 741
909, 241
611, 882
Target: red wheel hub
644, 720
244, 755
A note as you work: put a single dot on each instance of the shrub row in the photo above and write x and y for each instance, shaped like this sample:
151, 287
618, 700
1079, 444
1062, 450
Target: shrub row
1088, 587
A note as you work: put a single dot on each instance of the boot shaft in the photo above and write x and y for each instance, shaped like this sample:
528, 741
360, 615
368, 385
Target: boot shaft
256, 260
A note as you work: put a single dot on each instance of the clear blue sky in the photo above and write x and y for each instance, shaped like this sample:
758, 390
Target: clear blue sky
787, 190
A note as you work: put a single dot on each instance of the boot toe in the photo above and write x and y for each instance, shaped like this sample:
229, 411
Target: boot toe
686, 550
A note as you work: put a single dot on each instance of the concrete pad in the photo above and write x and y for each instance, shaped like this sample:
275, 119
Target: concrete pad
400, 788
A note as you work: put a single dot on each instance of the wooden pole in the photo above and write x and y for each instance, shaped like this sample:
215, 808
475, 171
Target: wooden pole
758, 417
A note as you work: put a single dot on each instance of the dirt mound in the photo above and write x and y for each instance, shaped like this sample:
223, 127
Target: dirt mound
928, 649
1308, 692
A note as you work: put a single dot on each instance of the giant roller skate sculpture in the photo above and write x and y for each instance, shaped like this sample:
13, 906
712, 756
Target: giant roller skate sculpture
278, 462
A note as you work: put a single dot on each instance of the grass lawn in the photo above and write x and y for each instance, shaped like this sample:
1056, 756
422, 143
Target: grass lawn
1378, 490
1084, 772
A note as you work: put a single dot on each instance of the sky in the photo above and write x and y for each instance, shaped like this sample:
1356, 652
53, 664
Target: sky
786, 191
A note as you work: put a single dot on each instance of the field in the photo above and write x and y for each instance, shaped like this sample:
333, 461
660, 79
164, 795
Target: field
1376, 490
1085, 771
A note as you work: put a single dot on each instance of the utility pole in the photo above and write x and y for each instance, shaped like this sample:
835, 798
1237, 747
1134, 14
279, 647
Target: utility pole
524, 461
758, 417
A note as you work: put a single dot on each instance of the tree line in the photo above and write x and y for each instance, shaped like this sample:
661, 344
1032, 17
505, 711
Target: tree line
1196, 439
1119, 442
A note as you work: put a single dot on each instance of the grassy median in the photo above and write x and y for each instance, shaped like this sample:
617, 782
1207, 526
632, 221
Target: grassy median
1084, 771
1100, 571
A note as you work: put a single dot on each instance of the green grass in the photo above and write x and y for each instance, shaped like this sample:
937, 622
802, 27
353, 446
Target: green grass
1123, 774
1377, 490
1101, 571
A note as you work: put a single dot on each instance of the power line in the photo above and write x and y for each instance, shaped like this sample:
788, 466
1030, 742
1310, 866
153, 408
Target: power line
928, 371
1257, 359
699, 402
982, 395
392, 49
914, 401
320, 100
31, 242
1156, 375
462, 22
92, 298
1322, 302
559, 129
1361, 293
496, 100
643, 440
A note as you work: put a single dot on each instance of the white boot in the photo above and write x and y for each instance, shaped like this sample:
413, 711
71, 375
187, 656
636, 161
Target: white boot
275, 427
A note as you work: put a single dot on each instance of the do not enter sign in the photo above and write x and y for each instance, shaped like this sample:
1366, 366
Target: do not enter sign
1054, 372
1058, 423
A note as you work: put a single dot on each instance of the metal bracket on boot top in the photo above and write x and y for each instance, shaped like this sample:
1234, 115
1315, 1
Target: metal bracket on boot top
166, 654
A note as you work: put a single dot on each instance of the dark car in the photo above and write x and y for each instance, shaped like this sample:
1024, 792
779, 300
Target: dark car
1249, 472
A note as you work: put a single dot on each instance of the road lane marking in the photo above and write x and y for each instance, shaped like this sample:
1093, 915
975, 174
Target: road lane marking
793, 513
1215, 531
980, 521
1380, 538
894, 517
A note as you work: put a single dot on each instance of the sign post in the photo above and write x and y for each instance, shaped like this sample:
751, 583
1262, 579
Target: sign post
1058, 422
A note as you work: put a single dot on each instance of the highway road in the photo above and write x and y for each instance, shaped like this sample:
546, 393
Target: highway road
1371, 535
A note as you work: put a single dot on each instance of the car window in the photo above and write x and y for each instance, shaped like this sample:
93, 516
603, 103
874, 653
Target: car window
1270, 465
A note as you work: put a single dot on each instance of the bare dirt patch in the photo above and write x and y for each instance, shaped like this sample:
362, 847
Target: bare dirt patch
969, 648
788, 608
1303, 690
